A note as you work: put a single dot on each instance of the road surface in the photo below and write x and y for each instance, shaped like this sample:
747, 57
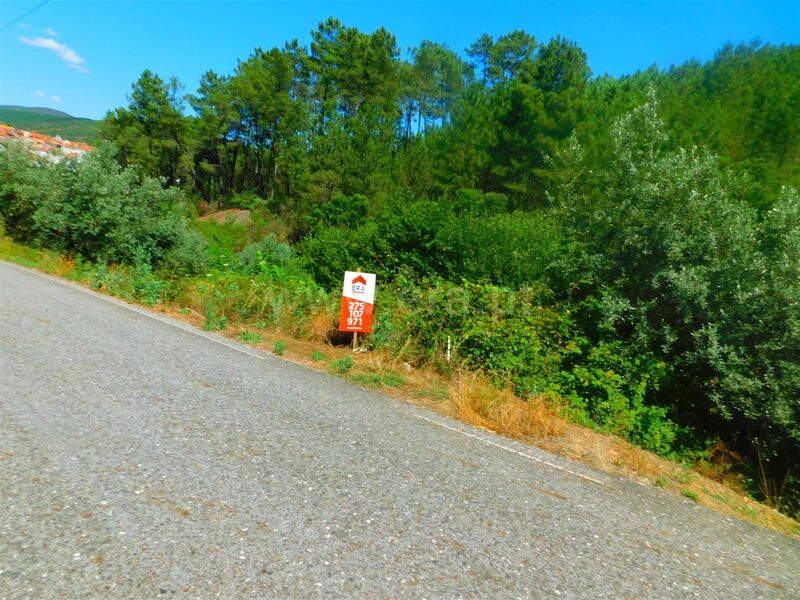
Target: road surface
143, 458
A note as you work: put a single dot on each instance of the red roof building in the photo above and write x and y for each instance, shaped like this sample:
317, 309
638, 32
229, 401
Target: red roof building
45, 145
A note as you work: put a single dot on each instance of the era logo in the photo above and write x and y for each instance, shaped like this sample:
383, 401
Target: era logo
359, 285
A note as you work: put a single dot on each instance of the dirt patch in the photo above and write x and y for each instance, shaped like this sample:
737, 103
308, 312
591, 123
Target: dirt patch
237, 216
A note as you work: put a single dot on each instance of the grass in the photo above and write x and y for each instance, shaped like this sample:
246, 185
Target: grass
343, 365
378, 380
479, 403
464, 395
214, 321
691, 495
251, 337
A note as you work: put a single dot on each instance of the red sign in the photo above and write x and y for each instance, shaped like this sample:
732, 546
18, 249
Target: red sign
358, 298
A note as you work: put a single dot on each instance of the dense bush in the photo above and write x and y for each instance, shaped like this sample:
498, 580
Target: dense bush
681, 267
94, 208
268, 251
469, 237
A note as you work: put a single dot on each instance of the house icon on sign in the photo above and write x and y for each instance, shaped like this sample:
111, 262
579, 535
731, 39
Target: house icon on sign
359, 285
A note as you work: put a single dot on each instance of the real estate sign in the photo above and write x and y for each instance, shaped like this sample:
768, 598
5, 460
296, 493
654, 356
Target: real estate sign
358, 297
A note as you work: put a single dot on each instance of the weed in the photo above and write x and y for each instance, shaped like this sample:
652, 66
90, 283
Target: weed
279, 348
317, 356
251, 337
749, 511
185, 311
379, 379
661, 482
683, 477
771, 488
343, 365
392, 380
213, 320
260, 324
370, 379
690, 495
434, 393
148, 290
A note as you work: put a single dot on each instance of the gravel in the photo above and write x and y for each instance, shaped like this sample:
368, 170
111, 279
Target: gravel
142, 458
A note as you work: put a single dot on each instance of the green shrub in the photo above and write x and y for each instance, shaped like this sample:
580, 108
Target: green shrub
248, 200
340, 210
224, 242
188, 256
267, 252
343, 365
93, 207
690, 495
214, 321
279, 348
686, 271
251, 337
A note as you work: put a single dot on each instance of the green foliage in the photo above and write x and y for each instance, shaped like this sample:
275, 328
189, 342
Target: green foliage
340, 210
188, 256
251, 337
690, 495
92, 208
611, 385
247, 199
224, 240
317, 356
343, 365
683, 269
260, 256
381, 332
392, 380
279, 348
454, 240
152, 131
131, 283
214, 321
281, 298
379, 380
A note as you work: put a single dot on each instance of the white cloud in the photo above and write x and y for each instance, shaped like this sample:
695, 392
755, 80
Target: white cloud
50, 32
40, 94
64, 52
55, 99
25, 25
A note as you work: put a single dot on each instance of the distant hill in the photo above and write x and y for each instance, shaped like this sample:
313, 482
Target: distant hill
50, 121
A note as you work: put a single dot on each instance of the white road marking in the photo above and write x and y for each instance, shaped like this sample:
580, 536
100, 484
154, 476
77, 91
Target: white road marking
512, 450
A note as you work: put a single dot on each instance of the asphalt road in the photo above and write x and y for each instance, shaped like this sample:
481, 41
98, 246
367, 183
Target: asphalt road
142, 458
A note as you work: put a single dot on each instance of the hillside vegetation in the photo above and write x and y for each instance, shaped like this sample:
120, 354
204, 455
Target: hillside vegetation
625, 251
50, 122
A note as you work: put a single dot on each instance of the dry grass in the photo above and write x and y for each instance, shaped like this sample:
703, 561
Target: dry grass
479, 403
321, 324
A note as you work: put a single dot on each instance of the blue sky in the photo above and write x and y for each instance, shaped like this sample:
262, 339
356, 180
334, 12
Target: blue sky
82, 56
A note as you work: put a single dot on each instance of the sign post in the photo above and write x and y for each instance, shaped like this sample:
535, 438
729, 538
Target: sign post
358, 298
